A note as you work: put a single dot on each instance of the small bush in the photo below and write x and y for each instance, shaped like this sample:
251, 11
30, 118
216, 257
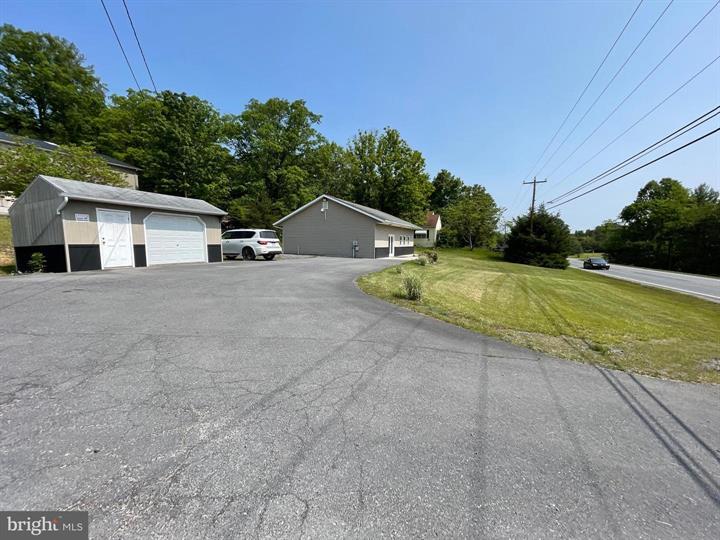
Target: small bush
412, 287
37, 262
432, 256
422, 260
398, 269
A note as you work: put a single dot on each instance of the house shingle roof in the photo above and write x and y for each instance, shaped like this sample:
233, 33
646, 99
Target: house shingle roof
86, 191
431, 220
382, 217
52, 147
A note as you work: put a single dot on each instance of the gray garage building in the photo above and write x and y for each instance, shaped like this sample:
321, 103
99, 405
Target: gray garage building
84, 226
334, 227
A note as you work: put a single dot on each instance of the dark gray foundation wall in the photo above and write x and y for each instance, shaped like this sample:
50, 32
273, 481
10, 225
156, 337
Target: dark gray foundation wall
84, 257
381, 252
54, 257
214, 253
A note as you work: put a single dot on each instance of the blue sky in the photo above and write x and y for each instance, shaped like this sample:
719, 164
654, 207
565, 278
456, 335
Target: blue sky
478, 87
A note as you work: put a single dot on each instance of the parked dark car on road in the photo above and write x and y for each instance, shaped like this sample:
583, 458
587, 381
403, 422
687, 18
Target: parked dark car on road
596, 263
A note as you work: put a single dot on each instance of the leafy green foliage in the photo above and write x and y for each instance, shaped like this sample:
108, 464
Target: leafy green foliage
37, 262
447, 189
412, 287
387, 174
176, 139
471, 220
46, 91
282, 161
669, 226
547, 245
20, 165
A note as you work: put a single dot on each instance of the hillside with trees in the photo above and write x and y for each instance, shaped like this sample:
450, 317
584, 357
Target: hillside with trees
258, 164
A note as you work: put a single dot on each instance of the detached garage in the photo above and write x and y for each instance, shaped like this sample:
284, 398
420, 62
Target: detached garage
84, 226
339, 228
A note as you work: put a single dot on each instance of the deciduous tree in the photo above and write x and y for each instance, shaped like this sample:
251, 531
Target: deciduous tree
20, 165
46, 89
472, 218
176, 139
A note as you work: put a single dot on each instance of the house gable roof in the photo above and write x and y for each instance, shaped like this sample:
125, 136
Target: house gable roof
377, 215
431, 220
9, 138
86, 191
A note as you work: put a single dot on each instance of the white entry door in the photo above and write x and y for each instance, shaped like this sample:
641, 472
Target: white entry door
115, 238
391, 245
173, 238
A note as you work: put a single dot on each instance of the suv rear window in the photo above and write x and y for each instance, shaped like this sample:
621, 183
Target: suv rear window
234, 235
268, 234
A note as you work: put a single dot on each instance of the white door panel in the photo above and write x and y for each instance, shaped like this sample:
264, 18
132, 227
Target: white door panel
174, 239
115, 238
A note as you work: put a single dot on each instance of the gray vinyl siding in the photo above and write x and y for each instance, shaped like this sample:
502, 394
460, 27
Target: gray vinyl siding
312, 232
34, 217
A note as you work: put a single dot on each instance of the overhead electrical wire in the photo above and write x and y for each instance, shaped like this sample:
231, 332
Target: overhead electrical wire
694, 141
142, 52
695, 123
120, 43
582, 94
612, 79
635, 89
643, 117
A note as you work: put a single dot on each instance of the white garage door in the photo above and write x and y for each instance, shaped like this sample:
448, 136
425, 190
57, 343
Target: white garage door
174, 239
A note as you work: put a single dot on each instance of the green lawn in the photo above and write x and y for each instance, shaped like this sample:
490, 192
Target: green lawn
566, 313
7, 261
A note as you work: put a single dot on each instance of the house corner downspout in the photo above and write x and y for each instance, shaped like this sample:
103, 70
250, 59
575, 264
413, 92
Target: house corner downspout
62, 223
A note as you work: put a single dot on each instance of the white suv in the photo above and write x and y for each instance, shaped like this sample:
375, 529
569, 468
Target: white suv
251, 243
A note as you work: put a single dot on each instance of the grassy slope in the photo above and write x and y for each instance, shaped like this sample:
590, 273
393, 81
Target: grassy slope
566, 313
7, 262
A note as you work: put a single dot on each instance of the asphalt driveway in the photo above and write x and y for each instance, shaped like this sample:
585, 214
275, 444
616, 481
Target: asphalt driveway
276, 399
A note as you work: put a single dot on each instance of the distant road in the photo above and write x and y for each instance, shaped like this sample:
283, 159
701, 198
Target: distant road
707, 288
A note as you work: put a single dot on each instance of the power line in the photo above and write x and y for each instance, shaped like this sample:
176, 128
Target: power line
643, 117
586, 88
592, 105
120, 43
137, 39
708, 134
695, 123
632, 92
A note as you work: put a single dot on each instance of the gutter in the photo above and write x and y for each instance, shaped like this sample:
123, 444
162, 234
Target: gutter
140, 204
62, 205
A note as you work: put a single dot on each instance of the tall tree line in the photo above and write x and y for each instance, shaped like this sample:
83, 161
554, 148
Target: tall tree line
667, 226
259, 164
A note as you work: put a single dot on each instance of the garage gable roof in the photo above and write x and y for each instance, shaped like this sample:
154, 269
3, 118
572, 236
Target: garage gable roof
86, 191
381, 217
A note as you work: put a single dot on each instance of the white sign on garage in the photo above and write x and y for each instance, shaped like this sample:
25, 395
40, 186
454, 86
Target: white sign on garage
171, 238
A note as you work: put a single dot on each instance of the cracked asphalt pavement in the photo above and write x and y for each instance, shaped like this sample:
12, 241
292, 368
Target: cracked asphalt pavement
275, 399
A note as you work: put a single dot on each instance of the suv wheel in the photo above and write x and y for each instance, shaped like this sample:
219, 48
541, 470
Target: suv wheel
248, 254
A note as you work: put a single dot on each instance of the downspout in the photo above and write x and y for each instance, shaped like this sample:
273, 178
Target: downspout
62, 222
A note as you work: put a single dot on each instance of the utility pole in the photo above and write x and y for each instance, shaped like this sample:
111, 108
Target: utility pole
534, 183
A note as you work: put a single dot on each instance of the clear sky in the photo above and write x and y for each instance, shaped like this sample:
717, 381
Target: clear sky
478, 87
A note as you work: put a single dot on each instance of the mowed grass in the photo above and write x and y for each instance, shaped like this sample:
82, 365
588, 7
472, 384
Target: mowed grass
566, 313
7, 260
